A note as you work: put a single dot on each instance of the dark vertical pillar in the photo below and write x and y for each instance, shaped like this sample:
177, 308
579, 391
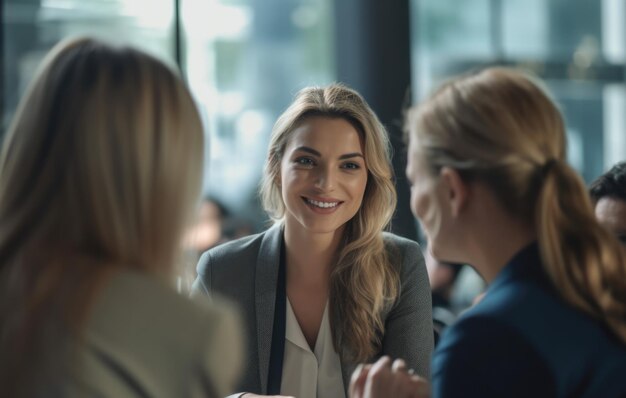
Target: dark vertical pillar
373, 56
496, 32
2, 63
178, 39
20, 35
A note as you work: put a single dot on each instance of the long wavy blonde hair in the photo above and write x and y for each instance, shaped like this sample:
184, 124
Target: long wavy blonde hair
100, 170
502, 127
363, 281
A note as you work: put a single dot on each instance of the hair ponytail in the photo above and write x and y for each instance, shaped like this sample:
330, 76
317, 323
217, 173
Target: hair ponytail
584, 261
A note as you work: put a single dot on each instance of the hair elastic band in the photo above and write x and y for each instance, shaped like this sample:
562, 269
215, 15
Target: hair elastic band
548, 166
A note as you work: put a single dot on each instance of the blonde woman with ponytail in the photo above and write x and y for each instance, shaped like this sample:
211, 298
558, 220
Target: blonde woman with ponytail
324, 288
492, 188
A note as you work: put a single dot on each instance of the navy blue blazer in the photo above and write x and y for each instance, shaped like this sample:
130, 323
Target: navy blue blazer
524, 340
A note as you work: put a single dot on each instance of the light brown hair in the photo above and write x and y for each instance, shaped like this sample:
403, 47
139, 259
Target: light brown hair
100, 170
363, 281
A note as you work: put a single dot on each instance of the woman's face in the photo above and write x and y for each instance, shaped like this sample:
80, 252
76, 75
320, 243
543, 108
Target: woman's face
323, 175
428, 200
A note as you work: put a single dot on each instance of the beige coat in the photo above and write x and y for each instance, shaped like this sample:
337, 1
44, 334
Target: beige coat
145, 340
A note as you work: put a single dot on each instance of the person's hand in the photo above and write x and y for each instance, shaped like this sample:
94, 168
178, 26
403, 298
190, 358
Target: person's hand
384, 379
357, 381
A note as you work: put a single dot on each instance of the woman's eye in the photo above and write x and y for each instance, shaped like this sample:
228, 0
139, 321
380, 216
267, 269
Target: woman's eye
351, 166
304, 161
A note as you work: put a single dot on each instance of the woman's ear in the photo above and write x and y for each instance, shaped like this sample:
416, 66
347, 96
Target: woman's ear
457, 190
271, 160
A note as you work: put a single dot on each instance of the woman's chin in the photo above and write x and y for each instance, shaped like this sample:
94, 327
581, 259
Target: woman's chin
439, 253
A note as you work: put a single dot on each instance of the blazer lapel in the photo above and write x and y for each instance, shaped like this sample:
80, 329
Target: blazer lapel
265, 296
346, 373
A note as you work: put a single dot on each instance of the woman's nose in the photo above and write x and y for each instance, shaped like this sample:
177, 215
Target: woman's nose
325, 179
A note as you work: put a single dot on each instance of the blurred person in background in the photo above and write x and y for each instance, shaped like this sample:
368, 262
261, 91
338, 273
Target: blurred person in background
208, 228
205, 231
608, 193
325, 287
214, 225
491, 187
99, 174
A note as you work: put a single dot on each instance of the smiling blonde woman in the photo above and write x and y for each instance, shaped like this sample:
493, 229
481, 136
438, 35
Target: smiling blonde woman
325, 288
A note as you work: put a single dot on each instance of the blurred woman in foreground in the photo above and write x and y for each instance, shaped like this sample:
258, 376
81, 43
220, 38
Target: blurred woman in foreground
99, 173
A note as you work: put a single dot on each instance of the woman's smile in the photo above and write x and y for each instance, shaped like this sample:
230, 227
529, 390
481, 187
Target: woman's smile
322, 206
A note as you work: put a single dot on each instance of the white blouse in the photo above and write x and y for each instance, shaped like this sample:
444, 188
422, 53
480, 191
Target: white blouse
306, 373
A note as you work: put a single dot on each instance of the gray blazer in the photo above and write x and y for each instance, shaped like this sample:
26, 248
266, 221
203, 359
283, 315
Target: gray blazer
246, 271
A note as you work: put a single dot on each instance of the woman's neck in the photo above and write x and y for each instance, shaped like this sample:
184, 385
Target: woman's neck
495, 253
493, 244
310, 255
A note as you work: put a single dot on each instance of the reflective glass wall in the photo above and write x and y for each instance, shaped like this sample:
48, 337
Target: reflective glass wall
32, 27
243, 59
577, 46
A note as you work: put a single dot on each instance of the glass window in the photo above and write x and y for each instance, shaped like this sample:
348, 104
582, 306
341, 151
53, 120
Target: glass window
576, 46
244, 61
32, 27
